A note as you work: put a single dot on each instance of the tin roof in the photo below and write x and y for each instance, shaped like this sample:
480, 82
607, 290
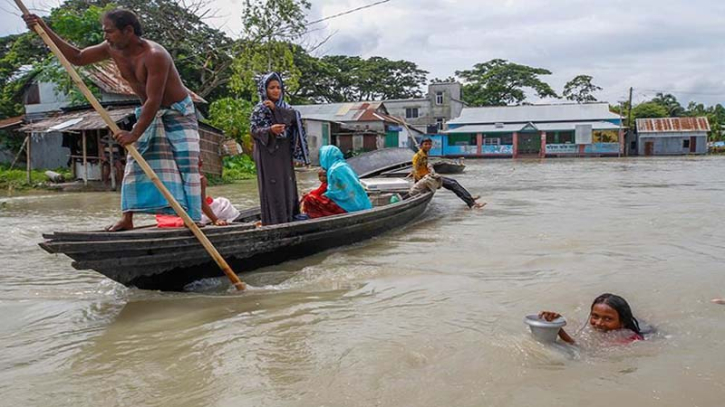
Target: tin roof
535, 113
341, 112
108, 78
518, 127
673, 125
78, 121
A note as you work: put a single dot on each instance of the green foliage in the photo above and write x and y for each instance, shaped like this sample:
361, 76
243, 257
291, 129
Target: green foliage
17, 179
580, 89
232, 116
81, 27
499, 83
340, 78
255, 59
238, 167
648, 110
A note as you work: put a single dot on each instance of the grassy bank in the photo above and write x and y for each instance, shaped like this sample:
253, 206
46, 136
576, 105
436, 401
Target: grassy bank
17, 179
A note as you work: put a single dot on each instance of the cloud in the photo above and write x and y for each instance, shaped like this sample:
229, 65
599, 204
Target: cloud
674, 47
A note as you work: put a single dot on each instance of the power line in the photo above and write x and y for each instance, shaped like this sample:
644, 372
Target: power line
348, 12
683, 92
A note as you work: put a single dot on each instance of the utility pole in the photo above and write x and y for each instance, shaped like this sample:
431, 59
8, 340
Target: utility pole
629, 113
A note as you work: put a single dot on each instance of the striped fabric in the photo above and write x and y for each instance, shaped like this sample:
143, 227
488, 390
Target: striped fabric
171, 147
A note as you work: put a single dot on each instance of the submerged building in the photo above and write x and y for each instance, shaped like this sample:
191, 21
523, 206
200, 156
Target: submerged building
555, 130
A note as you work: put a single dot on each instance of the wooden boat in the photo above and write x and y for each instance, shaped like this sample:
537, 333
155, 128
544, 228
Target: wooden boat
169, 259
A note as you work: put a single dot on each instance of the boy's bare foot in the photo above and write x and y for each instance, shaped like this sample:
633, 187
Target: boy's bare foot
478, 205
477, 197
720, 301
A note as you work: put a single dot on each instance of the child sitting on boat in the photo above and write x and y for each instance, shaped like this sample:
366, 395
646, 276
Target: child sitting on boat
215, 211
609, 314
340, 190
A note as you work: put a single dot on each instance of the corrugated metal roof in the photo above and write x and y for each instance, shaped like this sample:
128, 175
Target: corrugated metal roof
78, 121
11, 121
108, 78
340, 112
512, 127
535, 113
673, 125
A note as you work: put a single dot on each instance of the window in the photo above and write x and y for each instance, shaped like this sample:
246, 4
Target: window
411, 112
492, 141
461, 139
686, 143
32, 96
439, 98
440, 122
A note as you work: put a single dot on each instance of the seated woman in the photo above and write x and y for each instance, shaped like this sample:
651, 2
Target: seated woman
610, 314
340, 191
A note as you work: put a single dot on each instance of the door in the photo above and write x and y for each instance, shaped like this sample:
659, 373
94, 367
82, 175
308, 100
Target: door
345, 144
529, 143
649, 148
693, 144
370, 142
325, 134
391, 139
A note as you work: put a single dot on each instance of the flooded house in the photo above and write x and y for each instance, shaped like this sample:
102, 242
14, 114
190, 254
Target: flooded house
672, 136
552, 130
353, 127
60, 135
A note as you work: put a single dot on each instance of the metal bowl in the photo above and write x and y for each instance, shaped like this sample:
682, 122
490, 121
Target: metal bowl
543, 330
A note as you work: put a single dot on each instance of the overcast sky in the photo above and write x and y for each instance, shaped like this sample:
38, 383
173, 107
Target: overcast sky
652, 45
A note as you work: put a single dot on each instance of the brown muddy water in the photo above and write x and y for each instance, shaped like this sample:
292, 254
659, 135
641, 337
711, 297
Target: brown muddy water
430, 315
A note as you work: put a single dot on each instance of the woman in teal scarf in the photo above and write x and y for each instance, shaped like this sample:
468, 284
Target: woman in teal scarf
343, 185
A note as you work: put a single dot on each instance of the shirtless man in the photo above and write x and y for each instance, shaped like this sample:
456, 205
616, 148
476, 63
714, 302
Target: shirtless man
150, 71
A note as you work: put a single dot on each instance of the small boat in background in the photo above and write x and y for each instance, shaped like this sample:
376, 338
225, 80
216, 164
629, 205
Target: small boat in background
449, 167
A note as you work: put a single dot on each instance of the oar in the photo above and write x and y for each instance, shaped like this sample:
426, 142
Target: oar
135, 154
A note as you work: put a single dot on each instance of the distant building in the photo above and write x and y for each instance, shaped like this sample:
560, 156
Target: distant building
360, 126
532, 130
672, 136
430, 114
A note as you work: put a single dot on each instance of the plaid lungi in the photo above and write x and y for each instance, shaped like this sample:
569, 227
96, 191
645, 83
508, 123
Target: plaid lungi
170, 145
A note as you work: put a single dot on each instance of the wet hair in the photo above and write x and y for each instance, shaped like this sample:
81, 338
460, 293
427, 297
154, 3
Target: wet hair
620, 305
427, 140
123, 18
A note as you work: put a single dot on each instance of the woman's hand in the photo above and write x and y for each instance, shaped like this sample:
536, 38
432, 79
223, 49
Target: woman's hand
549, 315
269, 104
277, 129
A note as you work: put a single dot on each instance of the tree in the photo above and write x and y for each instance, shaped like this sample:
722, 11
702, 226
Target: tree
648, 110
499, 83
670, 103
580, 89
340, 78
270, 28
232, 116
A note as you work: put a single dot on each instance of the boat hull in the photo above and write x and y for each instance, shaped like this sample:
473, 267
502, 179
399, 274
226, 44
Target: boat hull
170, 259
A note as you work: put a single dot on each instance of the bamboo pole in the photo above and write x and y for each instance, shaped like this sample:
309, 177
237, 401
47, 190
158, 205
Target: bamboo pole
22, 147
28, 164
134, 153
85, 161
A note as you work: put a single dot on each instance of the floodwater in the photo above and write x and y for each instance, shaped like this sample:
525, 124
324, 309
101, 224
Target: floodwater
430, 315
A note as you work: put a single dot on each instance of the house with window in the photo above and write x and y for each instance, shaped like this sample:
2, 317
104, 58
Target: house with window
672, 136
353, 127
556, 130
431, 113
